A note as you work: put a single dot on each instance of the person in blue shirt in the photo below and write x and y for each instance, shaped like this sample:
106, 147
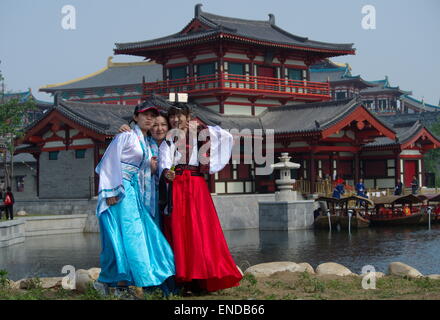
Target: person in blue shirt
360, 189
338, 190
398, 188
414, 185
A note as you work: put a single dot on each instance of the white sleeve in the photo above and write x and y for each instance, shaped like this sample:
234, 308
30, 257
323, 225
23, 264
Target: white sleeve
110, 172
165, 160
221, 148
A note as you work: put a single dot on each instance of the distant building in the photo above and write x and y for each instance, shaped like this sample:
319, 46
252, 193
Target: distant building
31, 115
117, 83
379, 96
24, 181
327, 138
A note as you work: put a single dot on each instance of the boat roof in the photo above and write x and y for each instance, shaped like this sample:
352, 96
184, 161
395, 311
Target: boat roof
346, 199
429, 197
356, 198
409, 198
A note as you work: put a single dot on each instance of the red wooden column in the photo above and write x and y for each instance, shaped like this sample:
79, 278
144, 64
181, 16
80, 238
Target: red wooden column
356, 167
312, 172
331, 158
37, 157
397, 166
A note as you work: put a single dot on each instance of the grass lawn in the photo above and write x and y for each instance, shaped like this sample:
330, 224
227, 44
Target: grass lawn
280, 286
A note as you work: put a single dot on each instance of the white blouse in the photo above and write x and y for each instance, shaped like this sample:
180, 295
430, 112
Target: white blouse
124, 149
220, 151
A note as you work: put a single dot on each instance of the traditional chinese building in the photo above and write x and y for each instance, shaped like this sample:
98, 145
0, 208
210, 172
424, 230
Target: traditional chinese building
117, 83
327, 138
379, 96
236, 66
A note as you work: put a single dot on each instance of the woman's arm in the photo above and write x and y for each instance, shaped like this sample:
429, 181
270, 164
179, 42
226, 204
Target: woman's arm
221, 148
110, 172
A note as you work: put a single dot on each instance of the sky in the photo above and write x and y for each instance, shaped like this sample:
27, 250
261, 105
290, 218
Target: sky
35, 49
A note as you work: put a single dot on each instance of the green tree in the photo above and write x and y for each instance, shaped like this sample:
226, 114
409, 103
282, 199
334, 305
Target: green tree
432, 158
12, 115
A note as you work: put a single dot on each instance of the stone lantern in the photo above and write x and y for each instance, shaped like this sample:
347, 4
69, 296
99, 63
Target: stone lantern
287, 212
285, 183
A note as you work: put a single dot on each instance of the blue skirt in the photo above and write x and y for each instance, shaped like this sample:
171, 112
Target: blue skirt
133, 247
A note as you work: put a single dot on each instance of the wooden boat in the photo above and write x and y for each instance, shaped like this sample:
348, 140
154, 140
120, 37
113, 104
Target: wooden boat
356, 222
356, 205
339, 208
395, 220
389, 211
433, 201
322, 222
425, 217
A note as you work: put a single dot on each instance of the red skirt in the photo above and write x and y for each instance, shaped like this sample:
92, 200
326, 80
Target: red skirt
196, 237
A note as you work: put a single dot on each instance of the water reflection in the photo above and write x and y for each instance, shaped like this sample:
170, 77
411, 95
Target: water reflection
417, 246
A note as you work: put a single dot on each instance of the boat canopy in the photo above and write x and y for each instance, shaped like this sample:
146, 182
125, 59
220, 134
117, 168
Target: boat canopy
409, 198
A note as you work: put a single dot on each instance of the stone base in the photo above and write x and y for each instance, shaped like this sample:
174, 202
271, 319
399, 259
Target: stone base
286, 215
12, 232
61, 224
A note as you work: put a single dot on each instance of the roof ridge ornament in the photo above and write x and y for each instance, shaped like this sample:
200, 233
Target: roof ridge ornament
271, 19
109, 61
198, 10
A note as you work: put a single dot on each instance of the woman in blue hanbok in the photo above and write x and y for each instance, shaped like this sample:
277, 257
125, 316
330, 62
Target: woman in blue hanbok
158, 133
134, 250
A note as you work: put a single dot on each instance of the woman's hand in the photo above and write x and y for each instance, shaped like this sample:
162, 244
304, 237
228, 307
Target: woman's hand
153, 164
170, 175
124, 128
192, 125
111, 201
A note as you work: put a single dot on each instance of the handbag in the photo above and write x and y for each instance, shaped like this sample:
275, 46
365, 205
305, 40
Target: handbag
8, 200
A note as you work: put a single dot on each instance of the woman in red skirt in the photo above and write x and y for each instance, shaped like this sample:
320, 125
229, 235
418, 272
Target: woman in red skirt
202, 257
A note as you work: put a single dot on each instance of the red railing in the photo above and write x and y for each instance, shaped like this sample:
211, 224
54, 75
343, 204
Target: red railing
241, 83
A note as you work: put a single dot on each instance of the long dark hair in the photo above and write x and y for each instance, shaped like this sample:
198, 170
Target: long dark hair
165, 114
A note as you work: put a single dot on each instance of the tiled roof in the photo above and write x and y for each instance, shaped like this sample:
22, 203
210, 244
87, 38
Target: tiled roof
329, 71
252, 30
419, 104
298, 118
114, 75
405, 127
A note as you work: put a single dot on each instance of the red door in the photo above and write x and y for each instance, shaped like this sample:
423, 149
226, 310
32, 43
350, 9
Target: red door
266, 72
410, 170
266, 84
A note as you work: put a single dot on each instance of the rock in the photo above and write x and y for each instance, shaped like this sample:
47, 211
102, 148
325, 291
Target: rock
94, 273
306, 267
21, 213
378, 275
47, 283
404, 270
82, 278
331, 268
31, 283
268, 269
434, 276
12, 284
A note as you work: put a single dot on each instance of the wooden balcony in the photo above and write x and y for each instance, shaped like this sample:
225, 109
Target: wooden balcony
242, 85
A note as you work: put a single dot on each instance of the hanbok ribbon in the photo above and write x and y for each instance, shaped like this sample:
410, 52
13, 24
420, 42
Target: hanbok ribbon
144, 176
154, 178
187, 190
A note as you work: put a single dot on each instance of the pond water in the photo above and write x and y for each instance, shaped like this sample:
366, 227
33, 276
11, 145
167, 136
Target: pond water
45, 256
